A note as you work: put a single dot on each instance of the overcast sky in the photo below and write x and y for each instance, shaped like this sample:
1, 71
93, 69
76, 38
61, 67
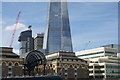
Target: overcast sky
96, 22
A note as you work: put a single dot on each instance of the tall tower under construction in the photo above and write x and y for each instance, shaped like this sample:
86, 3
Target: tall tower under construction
26, 42
57, 35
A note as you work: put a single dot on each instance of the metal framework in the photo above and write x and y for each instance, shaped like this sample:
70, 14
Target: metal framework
34, 58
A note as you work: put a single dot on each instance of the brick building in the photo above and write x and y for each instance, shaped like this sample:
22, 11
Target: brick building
10, 63
67, 65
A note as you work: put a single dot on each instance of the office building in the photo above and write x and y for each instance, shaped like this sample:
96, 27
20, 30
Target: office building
96, 53
38, 42
26, 42
116, 46
105, 67
57, 35
103, 62
10, 63
67, 65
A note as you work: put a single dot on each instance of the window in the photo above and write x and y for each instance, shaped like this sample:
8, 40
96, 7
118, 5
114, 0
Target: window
78, 60
65, 75
75, 67
70, 66
99, 76
10, 64
90, 66
74, 60
111, 66
3, 64
99, 71
75, 71
65, 70
75, 75
113, 76
65, 59
16, 64
57, 64
110, 52
9, 69
90, 71
10, 74
99, 66
113, 71
50, 65
69, 59
90, 76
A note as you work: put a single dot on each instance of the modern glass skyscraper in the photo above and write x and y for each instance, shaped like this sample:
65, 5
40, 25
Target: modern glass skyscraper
57, 35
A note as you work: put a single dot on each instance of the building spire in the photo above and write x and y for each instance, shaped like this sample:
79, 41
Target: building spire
57, 36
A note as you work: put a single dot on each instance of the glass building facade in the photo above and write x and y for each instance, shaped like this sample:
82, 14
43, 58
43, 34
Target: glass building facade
57, 35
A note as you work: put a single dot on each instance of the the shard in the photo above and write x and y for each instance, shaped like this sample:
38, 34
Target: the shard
57, 35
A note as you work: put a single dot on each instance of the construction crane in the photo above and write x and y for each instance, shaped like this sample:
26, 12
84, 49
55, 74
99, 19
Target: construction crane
13, 34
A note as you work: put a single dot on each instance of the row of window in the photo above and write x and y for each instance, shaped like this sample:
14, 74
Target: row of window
108, 76
114, 58
97, 71
96, 76
111, 61
95, 57
110, 52
112, 71
112, 76
74, 71
113, 67
8, 56
90, 54
82, 66
97, 53
68, 55
97, 67
99, 76
58, 59
10, 64
107, 66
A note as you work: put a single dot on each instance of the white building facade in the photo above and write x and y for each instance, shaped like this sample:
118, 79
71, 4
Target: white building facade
103, 62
